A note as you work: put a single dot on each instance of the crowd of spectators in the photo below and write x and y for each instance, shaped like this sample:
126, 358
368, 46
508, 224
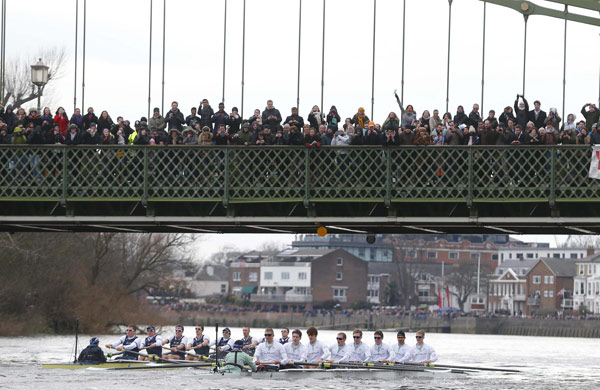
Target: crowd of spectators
205, 126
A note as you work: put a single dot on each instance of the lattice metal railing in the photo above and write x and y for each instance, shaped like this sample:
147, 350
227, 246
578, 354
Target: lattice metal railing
282, 174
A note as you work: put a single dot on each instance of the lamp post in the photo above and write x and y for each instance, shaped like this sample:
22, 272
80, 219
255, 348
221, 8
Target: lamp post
39, 77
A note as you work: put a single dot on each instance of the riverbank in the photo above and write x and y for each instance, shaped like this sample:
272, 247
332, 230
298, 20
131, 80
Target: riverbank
466, 325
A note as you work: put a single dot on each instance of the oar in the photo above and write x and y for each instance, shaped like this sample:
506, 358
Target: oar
155, 358
111, 354
433, 365
194, 354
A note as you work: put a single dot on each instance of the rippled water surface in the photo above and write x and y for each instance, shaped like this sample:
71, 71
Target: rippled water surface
545, 362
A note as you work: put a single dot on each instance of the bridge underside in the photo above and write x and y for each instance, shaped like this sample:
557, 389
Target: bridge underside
529, 190
364, 217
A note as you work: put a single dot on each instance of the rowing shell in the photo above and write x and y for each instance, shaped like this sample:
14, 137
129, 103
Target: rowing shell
113, 364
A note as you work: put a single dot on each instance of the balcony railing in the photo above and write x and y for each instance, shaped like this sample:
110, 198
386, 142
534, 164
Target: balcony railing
275, 174
533, 301
278, 298
567, 304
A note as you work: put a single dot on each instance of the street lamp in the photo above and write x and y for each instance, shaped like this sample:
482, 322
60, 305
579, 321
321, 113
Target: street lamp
39, 77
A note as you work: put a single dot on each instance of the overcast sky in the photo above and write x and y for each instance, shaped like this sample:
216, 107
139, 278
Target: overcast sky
118, 42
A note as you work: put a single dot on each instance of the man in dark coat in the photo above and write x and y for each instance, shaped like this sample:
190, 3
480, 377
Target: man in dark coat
92, 353
271, 115
537, 116
174, 117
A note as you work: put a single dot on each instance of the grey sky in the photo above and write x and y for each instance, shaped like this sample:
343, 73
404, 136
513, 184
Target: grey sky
117, 54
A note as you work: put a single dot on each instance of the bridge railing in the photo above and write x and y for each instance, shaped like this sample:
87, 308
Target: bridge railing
296, 174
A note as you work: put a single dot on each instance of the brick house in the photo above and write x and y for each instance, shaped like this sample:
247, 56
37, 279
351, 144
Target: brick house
546, 282
308, 277
244, 274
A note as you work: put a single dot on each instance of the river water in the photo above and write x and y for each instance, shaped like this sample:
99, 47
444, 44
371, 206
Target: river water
545, 362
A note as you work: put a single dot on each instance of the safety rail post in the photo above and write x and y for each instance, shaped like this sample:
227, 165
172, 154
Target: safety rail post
226, 177
145, 178
552, 197
388, 178
470, 178
65, 176
306, 176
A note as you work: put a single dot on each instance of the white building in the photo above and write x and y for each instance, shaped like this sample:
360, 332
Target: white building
586, 284
534, 251
508, 288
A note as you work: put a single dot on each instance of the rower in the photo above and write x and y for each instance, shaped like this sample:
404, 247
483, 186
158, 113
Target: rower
177, 344
250, 342
225, 343
152, 344
379, 352
359, 352
270, 351
92, 353
315, 351
129, 342
285, 336
199, 344
421, 352
294, 349
400, 349
235, 361
340, 351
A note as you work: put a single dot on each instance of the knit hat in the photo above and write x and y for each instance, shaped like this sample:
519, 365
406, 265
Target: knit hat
371, 124
360, 109
156, 109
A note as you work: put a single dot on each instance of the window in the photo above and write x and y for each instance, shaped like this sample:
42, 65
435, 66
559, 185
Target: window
499, 271
340, 261
589, 269
519, 256
551, 279
302, 275
523, 271
361, 253
573, 256
453, 255
268, 275
545, 279
338, 276
253, 277
474, 256
551, 293
495, 256
373, 293
556, 255
537, 279
223, 288
412, 254
510, 255
236, 276
529, 255
285, 275
432, 255
373, 279
302, 291
424, 293
581, 267
372, 254
545, 293
386, 254
339, 292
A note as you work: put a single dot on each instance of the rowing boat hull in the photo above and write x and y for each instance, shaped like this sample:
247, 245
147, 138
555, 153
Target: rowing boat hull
115, 364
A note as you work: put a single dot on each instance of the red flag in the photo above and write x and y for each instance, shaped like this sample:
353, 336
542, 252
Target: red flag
448, 295
439, 298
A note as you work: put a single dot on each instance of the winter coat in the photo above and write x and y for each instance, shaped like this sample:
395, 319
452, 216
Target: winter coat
63, 122
87, 119
273, 123
156, 123
174, 120
522, 115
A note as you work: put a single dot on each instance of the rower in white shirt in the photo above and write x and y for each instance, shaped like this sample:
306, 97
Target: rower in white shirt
177, 345
400, 349
294, 349
421, 352
270, 351
379, 352
130, 344
339, 352
315, 351
359, 352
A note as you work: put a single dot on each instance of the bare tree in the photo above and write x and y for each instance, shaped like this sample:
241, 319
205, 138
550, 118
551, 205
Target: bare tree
581, 241
464, 280
18, 88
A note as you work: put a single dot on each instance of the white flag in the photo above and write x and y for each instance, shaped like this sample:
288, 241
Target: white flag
595, 164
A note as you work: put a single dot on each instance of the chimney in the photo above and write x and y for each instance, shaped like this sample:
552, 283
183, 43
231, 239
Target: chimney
590, 250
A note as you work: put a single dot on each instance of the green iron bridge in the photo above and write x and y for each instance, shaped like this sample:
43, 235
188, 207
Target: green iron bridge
483, 189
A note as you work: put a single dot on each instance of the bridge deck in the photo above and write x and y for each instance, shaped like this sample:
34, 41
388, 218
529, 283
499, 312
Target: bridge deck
294, 189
